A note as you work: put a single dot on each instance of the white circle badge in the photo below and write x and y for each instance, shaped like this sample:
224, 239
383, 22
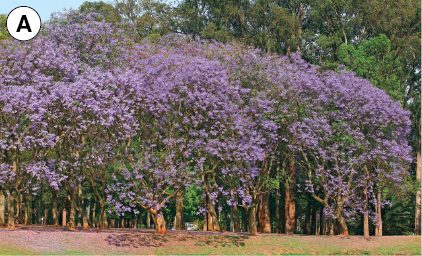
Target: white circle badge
23, 23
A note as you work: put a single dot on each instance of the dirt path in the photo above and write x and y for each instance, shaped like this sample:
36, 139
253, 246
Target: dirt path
58, 240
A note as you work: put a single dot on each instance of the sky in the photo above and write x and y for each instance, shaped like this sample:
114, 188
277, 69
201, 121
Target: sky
43, 7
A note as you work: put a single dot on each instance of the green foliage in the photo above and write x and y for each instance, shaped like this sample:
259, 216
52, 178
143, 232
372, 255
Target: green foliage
263, 24
4, 34
399, 219
375, 60
149, 16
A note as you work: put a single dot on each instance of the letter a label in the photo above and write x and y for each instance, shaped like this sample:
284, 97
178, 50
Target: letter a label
24, 19
23, 23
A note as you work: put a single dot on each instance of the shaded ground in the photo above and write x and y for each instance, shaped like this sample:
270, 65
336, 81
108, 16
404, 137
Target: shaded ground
36, 239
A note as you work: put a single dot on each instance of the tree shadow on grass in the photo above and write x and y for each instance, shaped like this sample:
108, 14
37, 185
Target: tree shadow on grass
156, 240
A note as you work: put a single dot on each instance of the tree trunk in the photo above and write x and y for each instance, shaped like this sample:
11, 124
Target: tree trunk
205, 226
209, 220
34, 217
378, 228
27, 208
283, 213
332, 227
277, 212
179, 219
2, 208
266, 221
72, 213
20, 206
244, 220
11, 210
307, 228
314, 222
418, 195
213, 224
94, 205
340, 222
64, 217
159, 222
45, 216
341, 227
252, 220
40, 207
321, 221
54, 212
260, 213
148, 220
290, 206
236, 219
365, 208
85, 216
104, 217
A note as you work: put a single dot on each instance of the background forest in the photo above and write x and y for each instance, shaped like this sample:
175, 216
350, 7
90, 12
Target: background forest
378, 40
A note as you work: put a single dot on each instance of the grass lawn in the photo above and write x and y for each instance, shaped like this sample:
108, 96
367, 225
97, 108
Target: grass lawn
56, 241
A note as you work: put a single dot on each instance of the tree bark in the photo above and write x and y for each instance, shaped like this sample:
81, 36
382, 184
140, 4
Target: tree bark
260, 225
212, 221
11, 210
64, 217
341, 227
54, 212
20, 206
418, 195
159, 222
244, 220
314, 221
45, 216
283, 213
72, 213
94, 205
277, 212
85, 216
321, 221
252, 220
266, 222
365, 215
27, 208
209, 220
2, 208
148, 219
179, 212
228, 222
236, 219
290, 206
104, 217
34, 219
378, 227
307, 228
340, 222
40, 207
332, 227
